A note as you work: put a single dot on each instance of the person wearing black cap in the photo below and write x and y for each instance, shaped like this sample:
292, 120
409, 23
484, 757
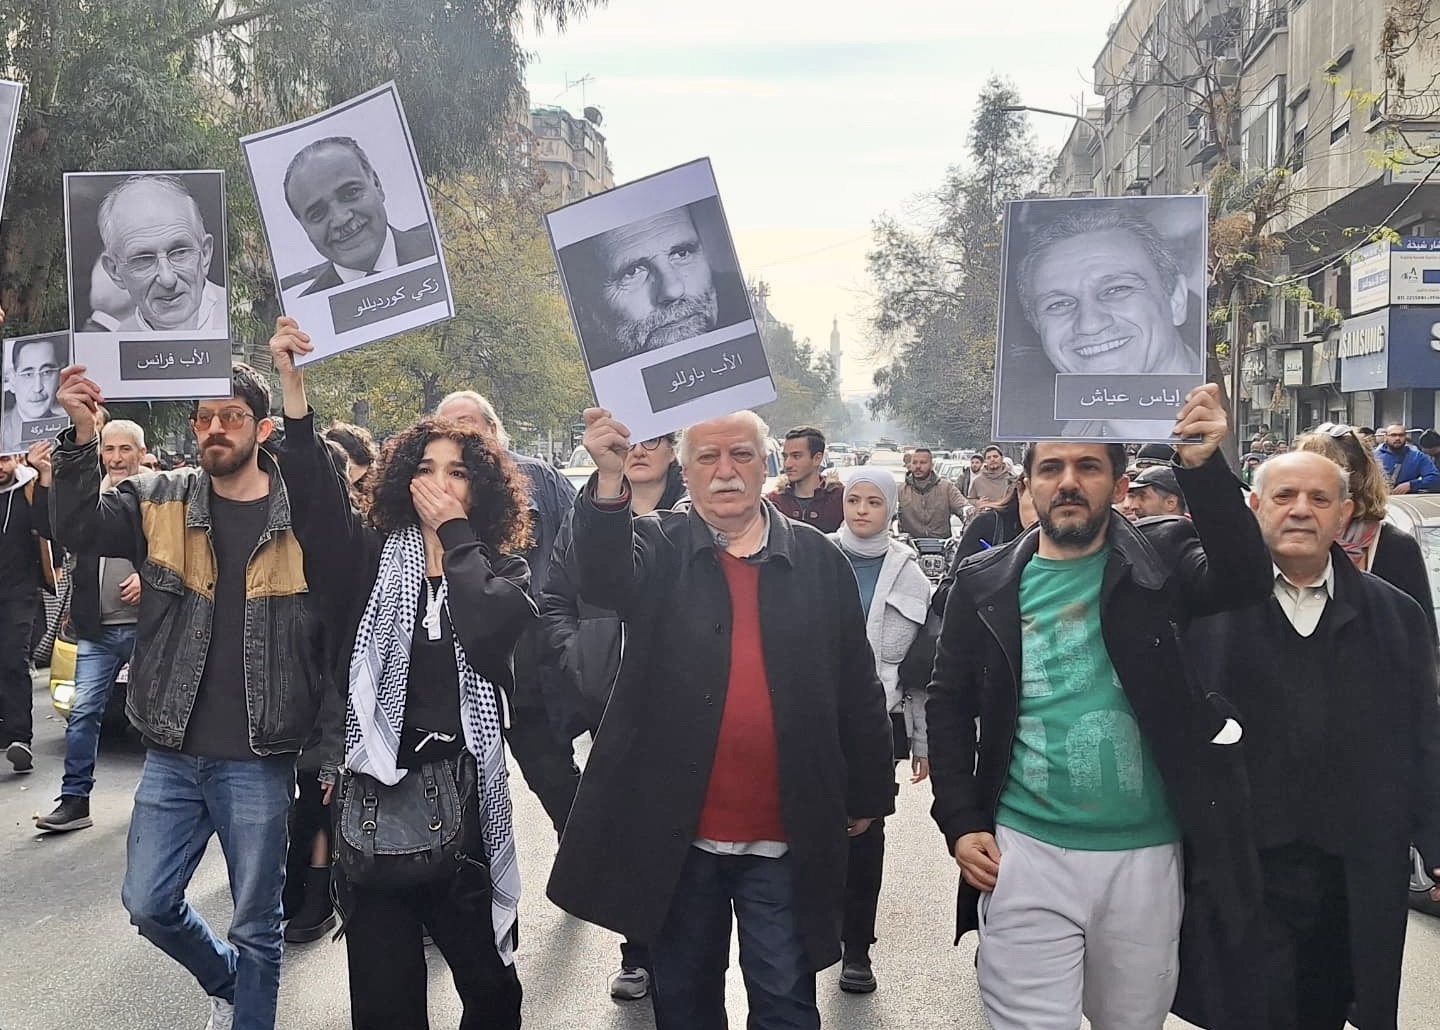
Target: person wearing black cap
1155, 491
1154, 454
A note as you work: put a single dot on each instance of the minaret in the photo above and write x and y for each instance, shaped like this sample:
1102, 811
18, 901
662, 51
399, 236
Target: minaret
835, 348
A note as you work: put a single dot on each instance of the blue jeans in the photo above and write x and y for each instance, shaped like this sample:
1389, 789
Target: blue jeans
689, 957
96, 664
180, 802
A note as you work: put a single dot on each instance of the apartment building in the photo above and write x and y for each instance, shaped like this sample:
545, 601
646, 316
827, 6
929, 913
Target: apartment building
571, 152
1306, 89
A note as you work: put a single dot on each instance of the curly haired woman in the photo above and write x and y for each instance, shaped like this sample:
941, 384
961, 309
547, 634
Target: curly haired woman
445, 603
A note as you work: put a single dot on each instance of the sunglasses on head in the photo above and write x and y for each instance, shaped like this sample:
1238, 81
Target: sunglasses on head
1335, 431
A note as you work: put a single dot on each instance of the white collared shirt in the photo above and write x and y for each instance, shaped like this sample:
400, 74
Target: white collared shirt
386, 261
1303, 605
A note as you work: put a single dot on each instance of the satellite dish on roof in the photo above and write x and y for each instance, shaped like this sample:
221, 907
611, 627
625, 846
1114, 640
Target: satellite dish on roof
593, 115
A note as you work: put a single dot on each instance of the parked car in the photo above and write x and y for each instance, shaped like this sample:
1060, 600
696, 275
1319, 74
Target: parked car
62, 680
1419, 515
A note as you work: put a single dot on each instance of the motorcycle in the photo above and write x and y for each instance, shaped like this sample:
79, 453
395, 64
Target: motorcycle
934, 554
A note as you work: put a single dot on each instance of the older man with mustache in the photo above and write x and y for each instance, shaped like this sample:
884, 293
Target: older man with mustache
757, 759
1071, 754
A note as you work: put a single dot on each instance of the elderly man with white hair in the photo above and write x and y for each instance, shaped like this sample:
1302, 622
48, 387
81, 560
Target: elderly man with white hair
747, 713
105, 608
1333, 674
157, 251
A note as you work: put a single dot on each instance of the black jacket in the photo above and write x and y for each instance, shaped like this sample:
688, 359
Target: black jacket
1385, 741
583, 640
619, 862
1160, 574
993, 527
1399, 562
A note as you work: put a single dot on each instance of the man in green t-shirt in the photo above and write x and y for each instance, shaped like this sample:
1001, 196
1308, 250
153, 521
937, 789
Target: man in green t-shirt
1095, 754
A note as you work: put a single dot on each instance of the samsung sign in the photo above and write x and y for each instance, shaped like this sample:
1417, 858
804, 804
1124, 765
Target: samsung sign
1361, 340
1362, 352
1391, 349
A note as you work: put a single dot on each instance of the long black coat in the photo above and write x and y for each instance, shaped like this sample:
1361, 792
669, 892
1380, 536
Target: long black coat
639, 801
1389, 760
1161, 573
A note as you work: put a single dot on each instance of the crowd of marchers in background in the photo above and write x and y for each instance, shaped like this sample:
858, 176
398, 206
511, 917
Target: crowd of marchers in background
1179, 725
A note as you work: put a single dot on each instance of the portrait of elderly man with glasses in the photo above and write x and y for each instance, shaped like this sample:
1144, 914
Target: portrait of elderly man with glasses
157, 250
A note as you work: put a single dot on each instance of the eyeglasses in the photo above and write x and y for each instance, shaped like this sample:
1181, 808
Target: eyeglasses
230, 418
149, 264
28, 376
650, 445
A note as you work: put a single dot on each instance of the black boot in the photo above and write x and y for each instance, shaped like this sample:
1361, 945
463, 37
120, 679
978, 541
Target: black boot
856, 974
316, 917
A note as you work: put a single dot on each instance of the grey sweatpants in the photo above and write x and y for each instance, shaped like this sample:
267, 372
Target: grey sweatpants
1069, 931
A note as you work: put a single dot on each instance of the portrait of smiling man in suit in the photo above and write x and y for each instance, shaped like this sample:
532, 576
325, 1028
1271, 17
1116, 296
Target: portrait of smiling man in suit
337, 197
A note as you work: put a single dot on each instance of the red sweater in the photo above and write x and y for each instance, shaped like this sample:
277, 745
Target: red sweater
742, 801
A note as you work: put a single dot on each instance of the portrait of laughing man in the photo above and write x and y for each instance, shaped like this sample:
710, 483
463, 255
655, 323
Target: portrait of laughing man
1107, 295
336, 195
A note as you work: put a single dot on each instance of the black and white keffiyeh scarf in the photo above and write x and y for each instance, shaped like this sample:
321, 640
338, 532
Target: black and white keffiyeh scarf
379, 670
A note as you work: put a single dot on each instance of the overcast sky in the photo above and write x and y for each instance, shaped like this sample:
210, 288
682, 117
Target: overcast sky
819, 115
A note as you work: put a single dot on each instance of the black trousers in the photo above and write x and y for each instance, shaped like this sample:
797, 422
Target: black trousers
1305, 939
17, 615
862, 887
309, 815
387, 955
547, 762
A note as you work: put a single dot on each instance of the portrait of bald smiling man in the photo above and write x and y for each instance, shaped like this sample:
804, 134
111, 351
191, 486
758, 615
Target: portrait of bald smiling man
336, 195
158, 252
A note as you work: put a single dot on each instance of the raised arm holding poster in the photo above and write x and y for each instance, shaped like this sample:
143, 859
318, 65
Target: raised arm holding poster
348, 222
659, 304
29, 411
1102, 317
10, 93
147, 273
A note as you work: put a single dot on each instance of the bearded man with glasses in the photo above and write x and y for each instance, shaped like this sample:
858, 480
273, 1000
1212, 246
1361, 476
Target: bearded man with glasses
224, 685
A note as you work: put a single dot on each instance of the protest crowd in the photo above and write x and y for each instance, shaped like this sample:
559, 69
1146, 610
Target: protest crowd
1178, 722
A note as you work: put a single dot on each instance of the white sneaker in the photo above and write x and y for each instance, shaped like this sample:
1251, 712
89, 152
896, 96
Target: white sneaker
222, 1014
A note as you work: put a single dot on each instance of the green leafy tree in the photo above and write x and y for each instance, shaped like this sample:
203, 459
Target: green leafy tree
144, 84
936, 284
511, 338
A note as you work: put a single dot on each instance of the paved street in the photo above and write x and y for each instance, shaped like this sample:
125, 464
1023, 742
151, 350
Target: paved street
69, 959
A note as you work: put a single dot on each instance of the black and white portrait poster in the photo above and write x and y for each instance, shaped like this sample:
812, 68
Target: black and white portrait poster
349, 225
149, 307
29, 411
655, 289
1102, 317
10, 93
